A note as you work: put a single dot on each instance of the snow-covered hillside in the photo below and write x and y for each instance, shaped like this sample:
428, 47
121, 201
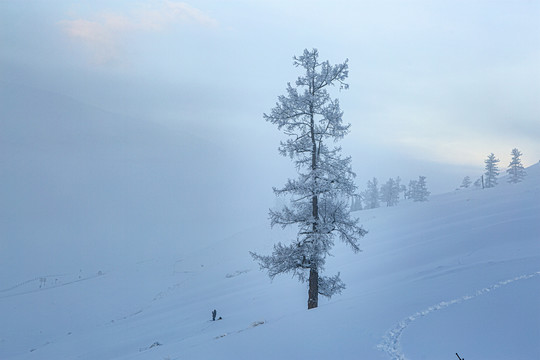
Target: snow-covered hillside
457, 274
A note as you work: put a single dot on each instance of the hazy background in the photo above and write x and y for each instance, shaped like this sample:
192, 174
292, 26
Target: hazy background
143, 119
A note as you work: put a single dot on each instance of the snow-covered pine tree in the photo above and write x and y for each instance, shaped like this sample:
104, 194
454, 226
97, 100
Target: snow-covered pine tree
466, 182
319, 208
418, 189
396, 189
372, 194
386, 192
492, 171
390, 192
401, 188
356, 202
479, 182
422, 192
515, 170
411, 191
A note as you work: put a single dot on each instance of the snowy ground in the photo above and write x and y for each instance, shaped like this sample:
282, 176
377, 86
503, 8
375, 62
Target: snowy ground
460, 273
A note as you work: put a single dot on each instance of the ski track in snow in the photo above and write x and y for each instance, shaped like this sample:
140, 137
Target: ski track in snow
391, 340
59, 281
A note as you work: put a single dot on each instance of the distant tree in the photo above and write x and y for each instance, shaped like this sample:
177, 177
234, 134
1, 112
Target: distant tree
402, 188
390, 192
422, 192
356, 203
395, 191
515, 170
418, 189
492, 171
320, 209
411, 190
372, 195
385, 193
479, 182
466, 182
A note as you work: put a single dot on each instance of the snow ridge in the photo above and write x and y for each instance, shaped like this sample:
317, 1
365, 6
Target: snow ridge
391, 340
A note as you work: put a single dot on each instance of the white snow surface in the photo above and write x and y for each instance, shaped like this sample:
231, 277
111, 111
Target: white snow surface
457, 274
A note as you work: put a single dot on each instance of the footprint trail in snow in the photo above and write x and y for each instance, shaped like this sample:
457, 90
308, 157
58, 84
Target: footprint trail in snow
391, 340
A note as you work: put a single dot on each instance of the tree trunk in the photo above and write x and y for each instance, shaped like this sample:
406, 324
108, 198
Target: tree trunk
313, 292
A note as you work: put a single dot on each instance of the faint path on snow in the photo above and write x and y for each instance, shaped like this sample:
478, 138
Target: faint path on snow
253, 324
45, 282
391, 340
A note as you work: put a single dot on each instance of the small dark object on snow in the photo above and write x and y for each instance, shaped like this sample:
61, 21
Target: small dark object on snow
214, 313
459, 357
220, 318
157, 343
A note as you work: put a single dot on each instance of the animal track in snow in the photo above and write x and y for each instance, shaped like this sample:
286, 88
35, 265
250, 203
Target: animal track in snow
391, 340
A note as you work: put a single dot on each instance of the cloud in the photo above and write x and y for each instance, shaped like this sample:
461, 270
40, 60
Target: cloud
103, 35
173, 12
99, 37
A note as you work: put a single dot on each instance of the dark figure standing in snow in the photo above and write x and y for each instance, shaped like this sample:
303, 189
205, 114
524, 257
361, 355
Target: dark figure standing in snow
214, 313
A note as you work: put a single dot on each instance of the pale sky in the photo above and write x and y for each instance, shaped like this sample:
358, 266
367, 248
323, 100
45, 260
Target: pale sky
439, 81
435, 86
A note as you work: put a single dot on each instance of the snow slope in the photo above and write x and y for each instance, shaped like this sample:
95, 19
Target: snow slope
460, 273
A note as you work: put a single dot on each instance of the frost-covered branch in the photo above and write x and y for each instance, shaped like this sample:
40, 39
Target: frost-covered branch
329, 286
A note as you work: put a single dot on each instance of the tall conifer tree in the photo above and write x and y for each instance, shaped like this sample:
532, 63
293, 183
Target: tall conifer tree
312, 121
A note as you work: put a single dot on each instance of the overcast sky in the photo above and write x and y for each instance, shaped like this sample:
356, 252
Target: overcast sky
435, 86
444, 82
